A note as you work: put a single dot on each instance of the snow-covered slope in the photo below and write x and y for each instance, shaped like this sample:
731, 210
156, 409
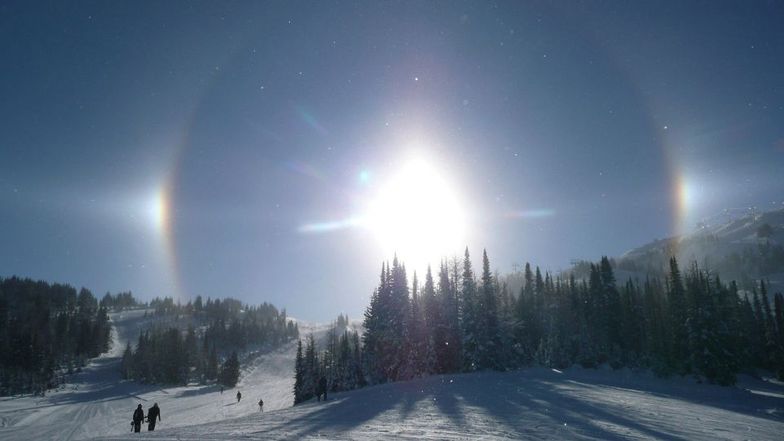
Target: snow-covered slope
531, 404
744, 247
97, 403
720, 237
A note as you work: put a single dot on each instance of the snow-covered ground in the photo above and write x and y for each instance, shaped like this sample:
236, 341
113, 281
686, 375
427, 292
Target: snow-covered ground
97, 403
534, 403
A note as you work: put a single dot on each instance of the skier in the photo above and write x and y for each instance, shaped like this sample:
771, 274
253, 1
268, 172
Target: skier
322, 389
153, 414
261, 405
138, 417
221, 390
239, 396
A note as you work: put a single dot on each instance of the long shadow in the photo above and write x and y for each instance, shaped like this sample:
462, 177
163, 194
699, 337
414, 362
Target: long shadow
515, 399
550, 396
550, 404
351, 410
344, 411
731, 399
101, 383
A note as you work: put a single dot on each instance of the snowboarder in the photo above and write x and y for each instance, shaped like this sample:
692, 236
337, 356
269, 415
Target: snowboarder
322, 389
138, 417
221, 390
153, 414
261, 405
239, 396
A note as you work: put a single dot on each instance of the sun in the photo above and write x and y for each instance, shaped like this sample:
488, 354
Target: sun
417, 214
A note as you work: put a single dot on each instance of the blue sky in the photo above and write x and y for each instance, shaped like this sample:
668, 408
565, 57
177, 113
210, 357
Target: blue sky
183, 148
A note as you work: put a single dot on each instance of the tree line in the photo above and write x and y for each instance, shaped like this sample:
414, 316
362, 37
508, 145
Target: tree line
47, 330
688, 323
199, 342
340, 362
120, 301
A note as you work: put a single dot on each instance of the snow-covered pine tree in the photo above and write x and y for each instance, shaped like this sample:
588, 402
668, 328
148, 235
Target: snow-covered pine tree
433, 313
230, 373
311, 371
371, 338
678, 314
489, 350
299, 374
611, 332
524, 320
356, 353
778, 309
471, 318
415, 336
449, 349
399, 310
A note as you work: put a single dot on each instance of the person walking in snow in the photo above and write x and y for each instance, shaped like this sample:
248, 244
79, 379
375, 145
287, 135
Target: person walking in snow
322, 389
138, 417
261, 405
239, 396
152, 415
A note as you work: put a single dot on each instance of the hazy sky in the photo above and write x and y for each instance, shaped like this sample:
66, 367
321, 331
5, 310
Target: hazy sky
264, 150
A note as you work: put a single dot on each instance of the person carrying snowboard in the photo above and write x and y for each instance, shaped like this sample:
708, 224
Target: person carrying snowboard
152, 415
138, 417
239, 396
261, 405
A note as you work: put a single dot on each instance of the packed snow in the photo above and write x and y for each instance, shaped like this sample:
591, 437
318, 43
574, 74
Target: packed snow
97, 403
535, 403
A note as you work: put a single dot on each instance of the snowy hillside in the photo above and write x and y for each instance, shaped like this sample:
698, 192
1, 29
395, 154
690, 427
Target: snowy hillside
97, 403
740, 247
733, 233
529, 404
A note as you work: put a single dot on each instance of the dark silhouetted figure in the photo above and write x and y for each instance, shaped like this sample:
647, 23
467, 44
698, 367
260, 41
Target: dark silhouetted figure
152, 415
221, 390
322, 389
239, 396
261, 405
138, 417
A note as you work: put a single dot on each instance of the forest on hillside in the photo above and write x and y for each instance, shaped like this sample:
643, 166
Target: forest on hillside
690, 323
46, 331
200, 341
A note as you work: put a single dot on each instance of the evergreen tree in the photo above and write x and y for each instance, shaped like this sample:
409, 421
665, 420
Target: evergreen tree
678, 314
778, 301
489, 350
230, 372
299, 375
471, 317
415, 336
311, 375
525, 336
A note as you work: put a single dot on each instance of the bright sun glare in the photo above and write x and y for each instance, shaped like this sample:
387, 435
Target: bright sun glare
417, 215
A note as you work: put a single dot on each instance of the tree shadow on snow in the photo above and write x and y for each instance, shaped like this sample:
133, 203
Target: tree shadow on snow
520, 404
343, 412
534, 408
732, 399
